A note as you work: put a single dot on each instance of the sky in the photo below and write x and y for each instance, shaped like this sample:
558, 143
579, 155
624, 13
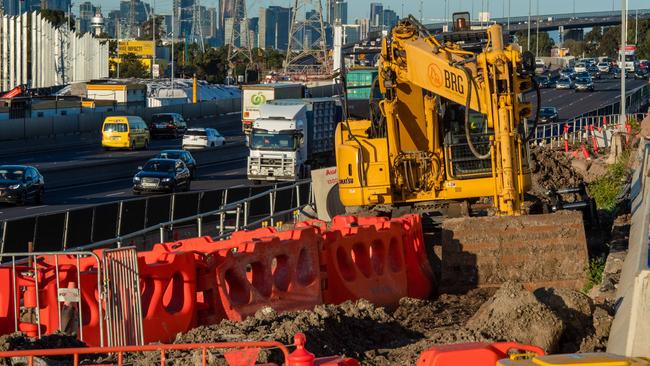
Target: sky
432, 9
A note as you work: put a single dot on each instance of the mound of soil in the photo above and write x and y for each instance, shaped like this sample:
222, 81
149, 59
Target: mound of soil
552, 170
559, 320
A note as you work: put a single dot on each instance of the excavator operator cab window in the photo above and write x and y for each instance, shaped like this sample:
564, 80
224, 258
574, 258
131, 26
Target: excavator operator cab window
461, 21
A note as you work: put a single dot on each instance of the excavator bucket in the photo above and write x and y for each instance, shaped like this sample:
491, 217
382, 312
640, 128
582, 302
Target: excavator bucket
535, 250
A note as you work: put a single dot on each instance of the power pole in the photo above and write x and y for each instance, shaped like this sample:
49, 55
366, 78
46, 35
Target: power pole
239, 42
197, 25
307, 39
622, 66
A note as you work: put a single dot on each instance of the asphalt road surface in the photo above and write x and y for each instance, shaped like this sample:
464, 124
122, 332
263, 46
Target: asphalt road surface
571, 104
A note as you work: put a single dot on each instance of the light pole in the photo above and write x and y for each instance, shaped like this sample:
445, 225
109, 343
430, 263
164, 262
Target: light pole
621, 52
153, 32
508, 15
528, 38
537, 31
173, 39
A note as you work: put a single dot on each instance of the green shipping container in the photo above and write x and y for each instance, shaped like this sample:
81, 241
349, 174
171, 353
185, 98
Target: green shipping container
360, 83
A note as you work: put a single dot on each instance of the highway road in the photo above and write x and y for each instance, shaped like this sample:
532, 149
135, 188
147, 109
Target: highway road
92, 161
570, 103
88, 175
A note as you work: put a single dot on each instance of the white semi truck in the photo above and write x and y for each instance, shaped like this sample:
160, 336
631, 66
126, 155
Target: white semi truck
254, 96
291, 137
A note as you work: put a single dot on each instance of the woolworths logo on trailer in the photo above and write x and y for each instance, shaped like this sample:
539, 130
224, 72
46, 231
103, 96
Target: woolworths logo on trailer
258, 99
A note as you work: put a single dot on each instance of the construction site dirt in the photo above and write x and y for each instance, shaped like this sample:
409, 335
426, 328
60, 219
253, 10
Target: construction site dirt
558, 320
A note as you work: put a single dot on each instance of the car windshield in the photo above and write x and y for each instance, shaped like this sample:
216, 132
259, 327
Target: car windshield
547, 111
583, 80
169, 155
162, 118
116, 127
565, 80
159, 166
196, 133
271, 141
11, 174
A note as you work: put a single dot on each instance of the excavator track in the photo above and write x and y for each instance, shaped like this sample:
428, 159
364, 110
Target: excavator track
536, 250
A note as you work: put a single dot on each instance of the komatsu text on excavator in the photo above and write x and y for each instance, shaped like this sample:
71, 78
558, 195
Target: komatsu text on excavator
452, 126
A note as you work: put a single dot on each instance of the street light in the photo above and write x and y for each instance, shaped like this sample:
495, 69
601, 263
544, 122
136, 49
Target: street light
528, 38
621, 53
537, 31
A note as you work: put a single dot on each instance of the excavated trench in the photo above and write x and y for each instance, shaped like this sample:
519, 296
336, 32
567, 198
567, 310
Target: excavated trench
556, 319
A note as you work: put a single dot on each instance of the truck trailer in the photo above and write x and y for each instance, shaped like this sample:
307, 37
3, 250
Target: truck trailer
291, 137
253, 96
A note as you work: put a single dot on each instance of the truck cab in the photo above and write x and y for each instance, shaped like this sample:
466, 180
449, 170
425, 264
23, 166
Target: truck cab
277, 144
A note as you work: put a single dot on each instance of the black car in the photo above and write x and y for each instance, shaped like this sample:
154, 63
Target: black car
167, 124
20, 183
545, 81
548, 114
183, 155
162, 175
640, 73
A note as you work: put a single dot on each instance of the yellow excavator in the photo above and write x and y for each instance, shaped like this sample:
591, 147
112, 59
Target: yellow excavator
451, 128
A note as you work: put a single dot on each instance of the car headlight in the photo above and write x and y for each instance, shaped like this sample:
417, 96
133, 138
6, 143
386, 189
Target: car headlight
15, 186
166, 180
136, 179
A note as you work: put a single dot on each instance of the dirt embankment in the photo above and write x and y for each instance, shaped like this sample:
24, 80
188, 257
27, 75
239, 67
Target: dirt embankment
558, 320
552, 170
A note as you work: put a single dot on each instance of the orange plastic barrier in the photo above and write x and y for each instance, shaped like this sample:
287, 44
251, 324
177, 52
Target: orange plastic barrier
280, 271
364, 262
420, 278
475, 354
168, 290
421, 281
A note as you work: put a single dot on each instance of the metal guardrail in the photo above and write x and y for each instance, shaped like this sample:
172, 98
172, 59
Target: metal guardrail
146, 221
553, 134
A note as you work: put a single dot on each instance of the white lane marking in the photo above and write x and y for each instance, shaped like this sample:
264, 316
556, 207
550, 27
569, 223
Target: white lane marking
114, 194
35, 207
233, 173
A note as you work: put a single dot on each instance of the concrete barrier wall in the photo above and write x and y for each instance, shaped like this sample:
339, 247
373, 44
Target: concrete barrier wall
28, 128
630, 332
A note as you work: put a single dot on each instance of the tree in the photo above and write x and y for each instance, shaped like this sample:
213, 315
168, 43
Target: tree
56, 17
545, 42
132, 67
577, 48
147, 31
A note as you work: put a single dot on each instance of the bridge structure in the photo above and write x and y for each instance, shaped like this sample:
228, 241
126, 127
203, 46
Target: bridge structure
572, 24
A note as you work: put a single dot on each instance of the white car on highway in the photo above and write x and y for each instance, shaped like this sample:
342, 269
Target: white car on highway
580, 67
200, 138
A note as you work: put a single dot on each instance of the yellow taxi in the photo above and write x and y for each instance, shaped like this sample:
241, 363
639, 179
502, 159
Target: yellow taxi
125, 132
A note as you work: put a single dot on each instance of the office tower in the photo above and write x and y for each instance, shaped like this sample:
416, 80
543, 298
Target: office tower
274, 26
376, 15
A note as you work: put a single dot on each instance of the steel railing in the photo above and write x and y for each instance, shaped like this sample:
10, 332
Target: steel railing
242, 213
579, 130
240, 209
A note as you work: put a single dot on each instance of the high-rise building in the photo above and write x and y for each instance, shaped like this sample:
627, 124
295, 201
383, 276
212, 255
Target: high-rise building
274, 26
340, 12
364, 27
376, 14
390, 18
86, 12
227, 10
13, 7
330, 11
212, 25
140, 16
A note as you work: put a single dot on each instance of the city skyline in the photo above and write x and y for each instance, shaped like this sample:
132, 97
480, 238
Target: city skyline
359, 9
